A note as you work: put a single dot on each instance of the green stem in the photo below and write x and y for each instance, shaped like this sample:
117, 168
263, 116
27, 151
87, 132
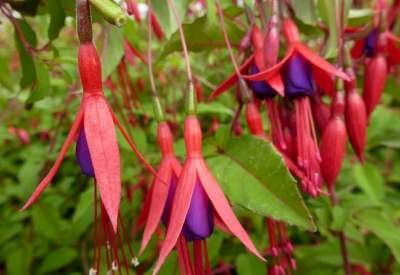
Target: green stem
191, 107
157, 109
111, 11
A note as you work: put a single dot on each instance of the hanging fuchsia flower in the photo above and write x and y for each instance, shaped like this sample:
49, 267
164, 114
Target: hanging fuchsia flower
97, 148
164, 185
322, 70
198, 200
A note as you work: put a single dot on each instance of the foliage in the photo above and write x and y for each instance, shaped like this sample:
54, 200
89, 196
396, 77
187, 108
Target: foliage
40, 91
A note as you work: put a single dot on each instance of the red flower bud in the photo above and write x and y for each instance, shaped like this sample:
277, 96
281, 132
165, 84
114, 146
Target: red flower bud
321, 113
333, 143
133, 9
257, 38
290, 31
271, 43
374, 82
356, 122
155, 25
245, 42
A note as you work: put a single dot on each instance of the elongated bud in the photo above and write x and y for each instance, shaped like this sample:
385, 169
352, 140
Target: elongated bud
290, 31
271, 42
374, 82
133, 9
333, 143
321, 112
257, 38
155, 25
254, 120
356, 122
245, 42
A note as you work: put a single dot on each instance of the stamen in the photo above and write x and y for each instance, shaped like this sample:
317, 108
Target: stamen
114, 265
135, 262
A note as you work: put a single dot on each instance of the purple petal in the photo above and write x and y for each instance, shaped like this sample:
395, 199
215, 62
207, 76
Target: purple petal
370, 43
199, 223
82, 154
170, 198
261, 89
298, 77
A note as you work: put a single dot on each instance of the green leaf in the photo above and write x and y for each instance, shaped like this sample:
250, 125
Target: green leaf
46, 221
113, 50
214, 108
201, 36
250, 265
57, 18
42, 85
305, 11
18, 260
358, 17
253, 175
57, 259
26, 60
166, 17
327, 13
370, 181
83, 215
382, 227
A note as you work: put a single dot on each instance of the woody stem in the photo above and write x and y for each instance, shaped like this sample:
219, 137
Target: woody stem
84, 21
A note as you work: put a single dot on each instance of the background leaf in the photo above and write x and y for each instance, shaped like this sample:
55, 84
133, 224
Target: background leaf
253, 176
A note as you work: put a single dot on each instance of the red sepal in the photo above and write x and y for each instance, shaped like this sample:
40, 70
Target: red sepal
231, 80
50, 175
104, 152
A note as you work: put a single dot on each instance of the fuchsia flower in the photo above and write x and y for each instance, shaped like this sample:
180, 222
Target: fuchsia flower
197, 200
163, 186
97, 148
320, 69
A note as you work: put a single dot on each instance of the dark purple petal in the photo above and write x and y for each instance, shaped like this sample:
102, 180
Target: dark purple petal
261, 89
370, 43
170, 198
199, 223
298, 77
82, 154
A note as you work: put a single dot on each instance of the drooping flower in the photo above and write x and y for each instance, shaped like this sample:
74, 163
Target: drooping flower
321, 69
95, 127
198, 199
163, 186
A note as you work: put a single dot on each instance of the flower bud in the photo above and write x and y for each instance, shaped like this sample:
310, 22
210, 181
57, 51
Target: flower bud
333, 143
374, 82
356, 122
